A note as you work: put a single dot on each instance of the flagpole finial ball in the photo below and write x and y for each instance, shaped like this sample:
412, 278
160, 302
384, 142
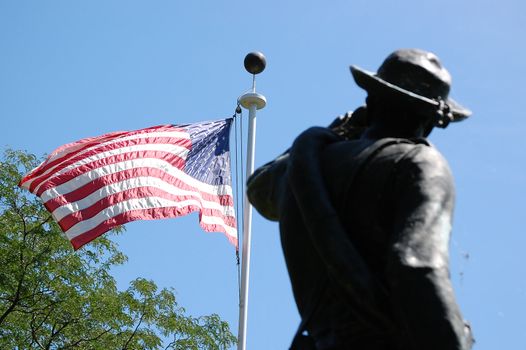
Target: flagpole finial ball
255, 62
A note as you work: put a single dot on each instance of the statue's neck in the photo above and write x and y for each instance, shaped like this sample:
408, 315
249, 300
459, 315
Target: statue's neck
378, 131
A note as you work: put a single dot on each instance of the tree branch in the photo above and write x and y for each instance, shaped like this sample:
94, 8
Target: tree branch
75, 344
15, 300
55, 331
39, 225
16, 297
34, 335
125, 347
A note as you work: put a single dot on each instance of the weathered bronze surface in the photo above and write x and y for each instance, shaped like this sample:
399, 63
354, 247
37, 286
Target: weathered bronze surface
364, 209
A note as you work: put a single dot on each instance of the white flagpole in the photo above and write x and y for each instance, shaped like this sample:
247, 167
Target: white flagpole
255, 64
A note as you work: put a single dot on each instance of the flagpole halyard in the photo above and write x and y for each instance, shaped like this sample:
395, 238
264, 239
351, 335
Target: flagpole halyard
254, 64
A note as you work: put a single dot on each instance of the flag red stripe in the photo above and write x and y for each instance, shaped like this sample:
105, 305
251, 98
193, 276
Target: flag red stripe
71, 150
173, 159
141, 192
218, 228
111, 147
90, 142
142, 214
114, 178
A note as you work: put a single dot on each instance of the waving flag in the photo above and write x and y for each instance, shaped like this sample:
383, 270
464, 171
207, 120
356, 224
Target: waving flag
95, 184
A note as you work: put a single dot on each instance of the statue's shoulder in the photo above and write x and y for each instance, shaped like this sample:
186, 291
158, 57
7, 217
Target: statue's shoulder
408, 153
424, 157
419, 166
354, 150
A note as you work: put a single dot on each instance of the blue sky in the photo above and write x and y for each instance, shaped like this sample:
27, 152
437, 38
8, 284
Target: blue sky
70, 70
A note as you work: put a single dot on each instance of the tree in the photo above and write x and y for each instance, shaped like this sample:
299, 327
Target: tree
54, 298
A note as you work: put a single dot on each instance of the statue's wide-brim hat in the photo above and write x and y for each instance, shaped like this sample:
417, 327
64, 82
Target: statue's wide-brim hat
415, 77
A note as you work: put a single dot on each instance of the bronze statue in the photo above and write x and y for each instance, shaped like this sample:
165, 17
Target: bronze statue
364, 209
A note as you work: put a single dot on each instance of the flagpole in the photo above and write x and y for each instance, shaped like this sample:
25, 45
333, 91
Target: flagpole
254, 63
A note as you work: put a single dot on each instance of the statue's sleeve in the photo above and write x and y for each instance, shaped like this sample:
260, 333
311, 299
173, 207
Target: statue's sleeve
418, 275
264, 186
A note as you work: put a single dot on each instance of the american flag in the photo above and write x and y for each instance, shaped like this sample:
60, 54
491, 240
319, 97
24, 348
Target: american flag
95, 184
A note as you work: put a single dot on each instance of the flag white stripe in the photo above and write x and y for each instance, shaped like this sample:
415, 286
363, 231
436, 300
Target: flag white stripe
129, 205
163, 165
176, 150
142, 181
215, 220
172, 134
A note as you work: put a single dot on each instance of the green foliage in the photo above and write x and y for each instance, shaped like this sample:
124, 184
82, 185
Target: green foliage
54, 298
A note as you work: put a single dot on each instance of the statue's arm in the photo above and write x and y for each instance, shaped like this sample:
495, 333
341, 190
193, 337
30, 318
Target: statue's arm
266, 184
344, 264
418, 274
